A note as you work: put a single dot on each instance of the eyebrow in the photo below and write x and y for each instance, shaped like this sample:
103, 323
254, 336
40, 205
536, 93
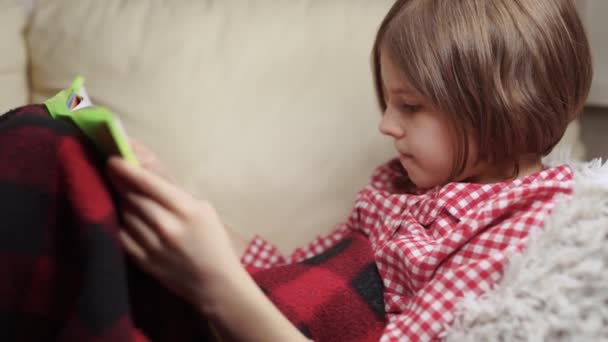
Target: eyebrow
401, 91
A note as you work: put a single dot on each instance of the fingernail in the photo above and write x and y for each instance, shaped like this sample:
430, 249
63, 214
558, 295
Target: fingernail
112, 161
117, 163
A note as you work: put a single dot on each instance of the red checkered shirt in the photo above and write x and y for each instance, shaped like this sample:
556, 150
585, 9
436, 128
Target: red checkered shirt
436, 246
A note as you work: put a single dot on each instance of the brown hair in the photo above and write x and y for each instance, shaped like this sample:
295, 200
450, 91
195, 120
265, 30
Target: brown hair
510, 73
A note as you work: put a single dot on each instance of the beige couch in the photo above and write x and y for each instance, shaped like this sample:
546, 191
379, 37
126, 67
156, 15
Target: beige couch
265, 107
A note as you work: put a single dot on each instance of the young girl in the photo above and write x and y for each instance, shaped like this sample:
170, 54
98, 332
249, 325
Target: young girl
473, 94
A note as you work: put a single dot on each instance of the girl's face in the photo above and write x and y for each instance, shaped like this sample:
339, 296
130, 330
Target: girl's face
421, 135
425, 141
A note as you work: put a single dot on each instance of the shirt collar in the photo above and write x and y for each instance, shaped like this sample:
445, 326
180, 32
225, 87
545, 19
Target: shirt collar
460, 198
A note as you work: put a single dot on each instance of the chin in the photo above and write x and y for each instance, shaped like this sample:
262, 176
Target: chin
422, 178
422, 182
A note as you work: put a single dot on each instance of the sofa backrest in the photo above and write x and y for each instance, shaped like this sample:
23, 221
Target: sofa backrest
13, 61
265, 107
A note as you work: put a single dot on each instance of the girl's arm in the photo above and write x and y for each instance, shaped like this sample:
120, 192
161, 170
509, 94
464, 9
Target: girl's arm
182, 242
241, 312
239, 243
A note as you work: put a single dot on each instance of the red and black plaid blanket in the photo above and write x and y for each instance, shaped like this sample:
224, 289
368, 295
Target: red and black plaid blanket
63, 275
334, 296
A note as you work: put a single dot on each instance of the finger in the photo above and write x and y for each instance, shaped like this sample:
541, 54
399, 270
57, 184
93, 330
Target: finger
141, 232
132, 247
127, 177
158, 219
144, 155
140, 148
146, 158
153, 165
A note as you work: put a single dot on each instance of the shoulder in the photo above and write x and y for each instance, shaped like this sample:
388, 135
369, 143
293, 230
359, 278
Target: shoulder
35, 117
41, 142
553, 179
470, 199
31, 130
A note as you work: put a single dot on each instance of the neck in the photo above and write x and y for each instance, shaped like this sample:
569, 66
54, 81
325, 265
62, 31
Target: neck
529, 166
499, 173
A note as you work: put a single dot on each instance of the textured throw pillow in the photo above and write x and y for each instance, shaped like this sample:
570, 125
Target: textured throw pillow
13, 63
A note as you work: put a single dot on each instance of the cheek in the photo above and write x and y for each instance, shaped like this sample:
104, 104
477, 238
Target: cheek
434, 148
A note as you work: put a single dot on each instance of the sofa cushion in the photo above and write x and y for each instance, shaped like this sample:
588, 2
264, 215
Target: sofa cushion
265, 107
13, 64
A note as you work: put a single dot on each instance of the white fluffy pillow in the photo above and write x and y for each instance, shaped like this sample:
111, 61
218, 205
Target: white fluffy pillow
266, 107
557, 289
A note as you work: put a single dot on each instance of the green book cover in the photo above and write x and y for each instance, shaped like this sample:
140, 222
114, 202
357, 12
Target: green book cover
98, 123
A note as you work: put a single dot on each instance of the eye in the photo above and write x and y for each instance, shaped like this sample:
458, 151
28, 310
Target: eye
410, 108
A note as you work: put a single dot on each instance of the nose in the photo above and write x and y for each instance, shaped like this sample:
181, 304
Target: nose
390, 125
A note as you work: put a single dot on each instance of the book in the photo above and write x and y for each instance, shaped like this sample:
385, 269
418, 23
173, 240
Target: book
98, 123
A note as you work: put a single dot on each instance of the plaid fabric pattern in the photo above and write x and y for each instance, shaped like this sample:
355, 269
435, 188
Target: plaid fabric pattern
62, 273
433, 247
338, 290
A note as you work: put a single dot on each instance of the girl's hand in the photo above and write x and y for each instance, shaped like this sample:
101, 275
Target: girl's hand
178, 239
182, 242
149, 161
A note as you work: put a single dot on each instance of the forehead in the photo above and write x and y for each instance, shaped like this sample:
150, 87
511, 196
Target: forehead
393, 78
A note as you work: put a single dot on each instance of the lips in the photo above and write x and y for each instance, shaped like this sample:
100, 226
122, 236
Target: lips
405, 159
403, 155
